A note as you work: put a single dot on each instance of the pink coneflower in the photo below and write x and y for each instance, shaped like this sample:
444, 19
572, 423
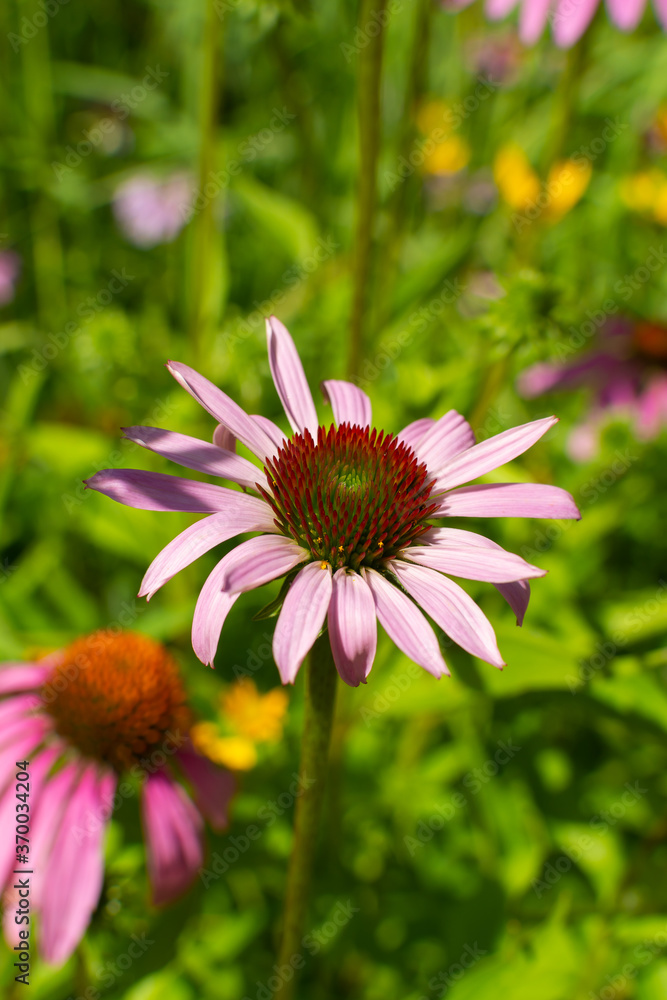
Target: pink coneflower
345, 515
108, 709
150, 211
568, 18
10, 268
627, 372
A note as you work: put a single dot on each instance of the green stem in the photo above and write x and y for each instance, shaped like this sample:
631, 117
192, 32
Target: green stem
370, 73
321, 677
203, 278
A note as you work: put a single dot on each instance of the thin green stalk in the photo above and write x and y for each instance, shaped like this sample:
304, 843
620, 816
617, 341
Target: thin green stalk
205, 258
321, 677
370, 73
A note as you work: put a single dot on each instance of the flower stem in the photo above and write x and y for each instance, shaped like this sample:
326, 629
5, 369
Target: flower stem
370, 73
321, 677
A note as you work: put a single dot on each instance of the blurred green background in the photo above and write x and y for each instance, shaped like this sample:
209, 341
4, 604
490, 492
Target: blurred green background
491, 833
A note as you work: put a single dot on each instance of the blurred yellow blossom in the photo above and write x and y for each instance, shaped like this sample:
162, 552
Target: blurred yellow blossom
441, 152
432, 116
246, 719
566, 183
517, 182
646, 192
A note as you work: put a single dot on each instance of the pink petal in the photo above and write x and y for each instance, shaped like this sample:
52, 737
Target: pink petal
517, 593
39, 767
223, 438
492, 453
349, 403
651, 409
76, 869
22, 676
155, 491
213, 606
489, 565
173, 831
626, 14
259, 560
454, 611
571, 20
661, 12
533, 19
213, 786
508, 500
289, 378
19, 739
245, 514
16, 707
224, 409
301, 618
271, 430
497, 9
449, 436
48, 810
352, 627
414, 432
193, 453
405, 625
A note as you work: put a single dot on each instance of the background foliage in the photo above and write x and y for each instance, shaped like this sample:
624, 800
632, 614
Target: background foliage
543, 866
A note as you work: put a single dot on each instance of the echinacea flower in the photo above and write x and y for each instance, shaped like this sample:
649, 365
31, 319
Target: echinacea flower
569, 19
10, 268
344, 514
150, 211
91, 720
246, 719
627, 372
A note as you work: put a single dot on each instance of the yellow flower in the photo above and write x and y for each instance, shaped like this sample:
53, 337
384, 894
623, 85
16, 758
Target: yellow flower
432, 115
448, 157
646, 192
257, 716
246, 719
517, 182
566, 183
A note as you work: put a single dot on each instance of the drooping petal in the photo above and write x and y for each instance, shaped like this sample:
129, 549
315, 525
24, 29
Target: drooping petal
48, 811
517, 595
17, 707
349, 403
193, 453
626, 14
246, 514
173, 830
571, 20
448, 437
224, 409
22, 676
213, 606
155, 491
661, 11
271, 430
454, 611
533, 20
301, 618
497, 9
76, 869
405, 625
20, 738
473, 563
289, 378
414, 432
213, 786
508, 500
492, 453
352, 627
259, 560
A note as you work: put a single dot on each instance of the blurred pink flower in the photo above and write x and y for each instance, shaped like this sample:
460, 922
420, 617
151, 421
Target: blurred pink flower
109, 705
345, 513
626, 371
568, 18
150, 211
10, 268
